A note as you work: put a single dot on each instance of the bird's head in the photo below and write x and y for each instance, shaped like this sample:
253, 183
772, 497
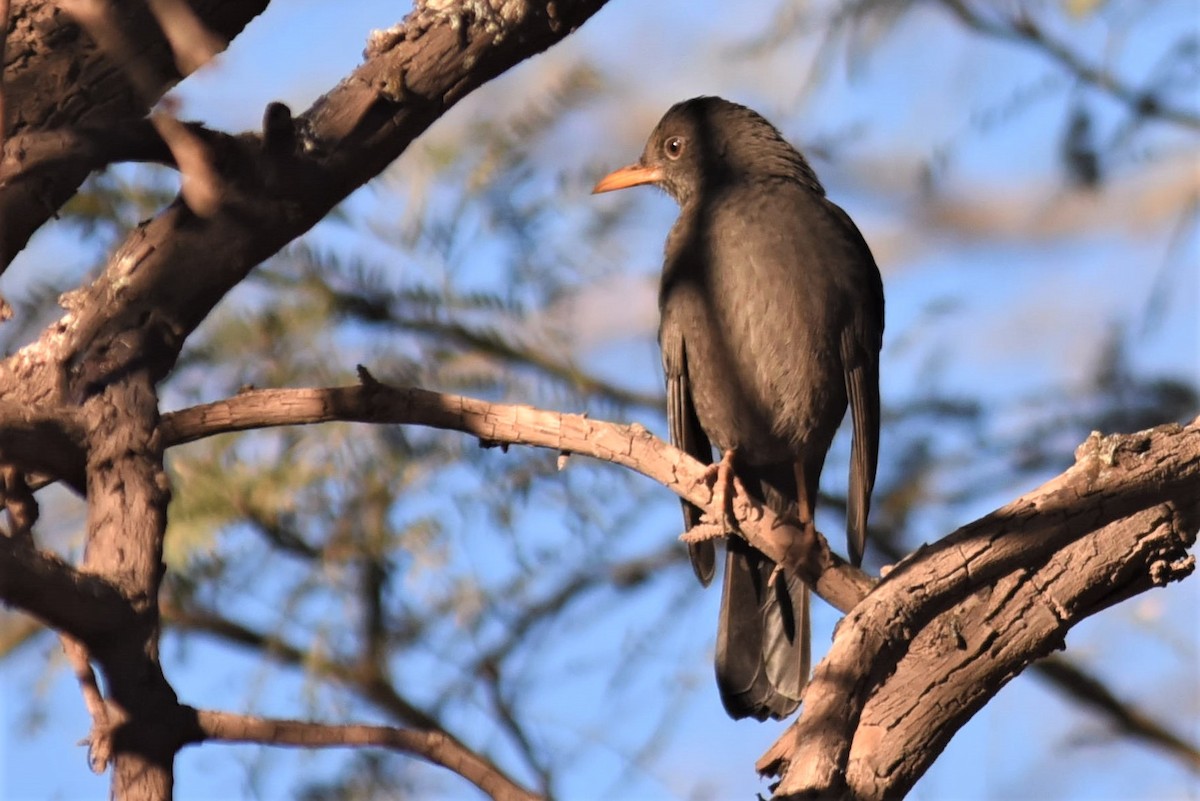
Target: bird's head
707, 141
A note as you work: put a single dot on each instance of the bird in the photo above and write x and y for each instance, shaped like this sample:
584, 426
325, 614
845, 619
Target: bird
771, 324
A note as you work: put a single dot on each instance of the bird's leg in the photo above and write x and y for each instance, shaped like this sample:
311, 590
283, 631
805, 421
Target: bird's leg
725, 485
805, 502
722, 477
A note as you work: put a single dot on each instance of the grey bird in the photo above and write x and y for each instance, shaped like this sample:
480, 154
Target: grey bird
771, 325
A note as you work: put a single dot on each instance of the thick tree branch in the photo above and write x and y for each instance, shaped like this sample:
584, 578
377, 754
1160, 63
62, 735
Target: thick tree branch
40, 439
435, 746
93, 147
1115, 524
170, 272
1092, 694
56, 77
86, 606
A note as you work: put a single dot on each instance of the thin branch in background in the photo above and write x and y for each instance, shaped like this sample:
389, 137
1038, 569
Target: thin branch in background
1023, 29
434, 746
509, 721
373, 687
1087, 689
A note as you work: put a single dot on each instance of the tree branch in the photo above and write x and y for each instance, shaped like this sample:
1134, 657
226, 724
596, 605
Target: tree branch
99, 739
1022, 29
435, 746
86, 606
56, 77
1115, 524
630, 446
368, 683
1087, 689
1091, 693
170, 272
41, 439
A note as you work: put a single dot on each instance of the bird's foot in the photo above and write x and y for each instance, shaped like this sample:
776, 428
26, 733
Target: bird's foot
723, 480
808, 534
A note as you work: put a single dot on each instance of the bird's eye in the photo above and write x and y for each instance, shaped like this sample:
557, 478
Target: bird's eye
673, 147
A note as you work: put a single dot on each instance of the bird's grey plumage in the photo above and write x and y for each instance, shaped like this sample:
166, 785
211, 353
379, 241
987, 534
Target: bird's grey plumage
771, 324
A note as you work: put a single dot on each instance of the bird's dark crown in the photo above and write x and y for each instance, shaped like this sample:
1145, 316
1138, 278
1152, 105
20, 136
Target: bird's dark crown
719, 141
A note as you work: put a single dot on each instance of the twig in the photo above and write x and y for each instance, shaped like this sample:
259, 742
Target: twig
1142, 103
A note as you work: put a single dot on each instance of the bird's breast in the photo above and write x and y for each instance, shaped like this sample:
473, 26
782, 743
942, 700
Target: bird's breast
761, 335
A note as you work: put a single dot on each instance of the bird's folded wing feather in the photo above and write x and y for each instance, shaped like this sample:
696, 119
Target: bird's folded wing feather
862, 391
687, 435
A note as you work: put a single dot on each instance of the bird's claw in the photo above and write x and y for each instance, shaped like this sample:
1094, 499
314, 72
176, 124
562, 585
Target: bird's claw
723, 481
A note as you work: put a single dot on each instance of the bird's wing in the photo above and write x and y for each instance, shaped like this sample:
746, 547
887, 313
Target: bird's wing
862, 391
861, 340
687, 435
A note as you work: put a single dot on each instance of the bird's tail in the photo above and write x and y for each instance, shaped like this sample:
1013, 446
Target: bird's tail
762, 636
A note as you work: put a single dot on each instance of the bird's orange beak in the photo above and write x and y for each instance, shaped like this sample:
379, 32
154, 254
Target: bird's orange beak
633, 175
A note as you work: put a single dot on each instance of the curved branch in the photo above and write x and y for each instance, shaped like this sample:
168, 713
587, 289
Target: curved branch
956, 620
1091, 693
435, 746
630, 446
88, 607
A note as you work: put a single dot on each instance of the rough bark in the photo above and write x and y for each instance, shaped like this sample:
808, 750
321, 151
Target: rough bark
80, 403
955, 621
57, 78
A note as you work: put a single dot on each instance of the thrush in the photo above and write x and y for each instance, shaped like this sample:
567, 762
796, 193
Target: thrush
771, 324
